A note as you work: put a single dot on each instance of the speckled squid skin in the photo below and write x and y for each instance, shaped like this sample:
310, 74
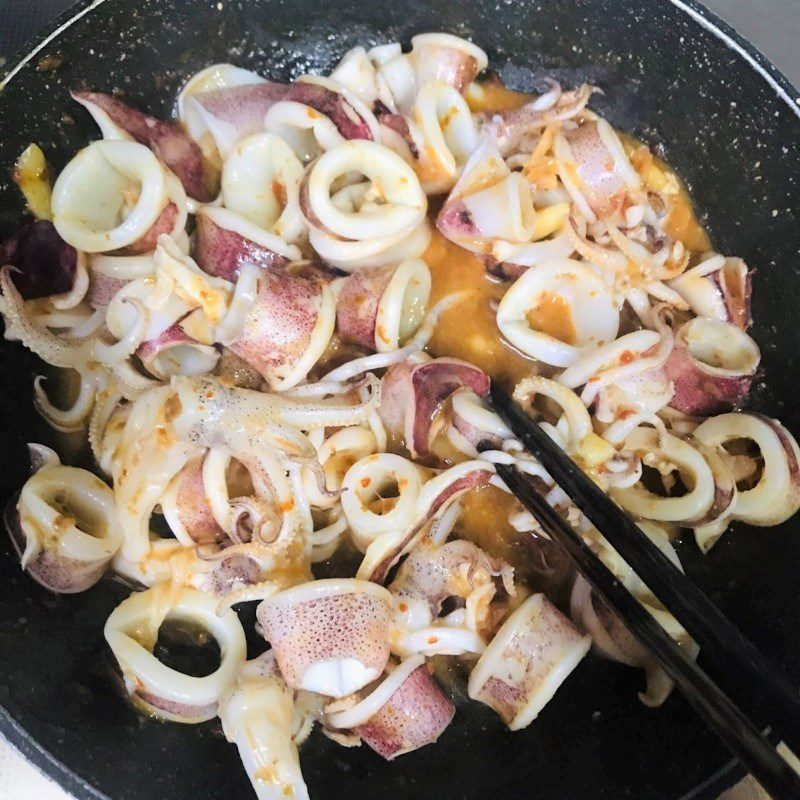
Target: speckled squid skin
595, 167
52, 570
222, 252
416, 714
529, 656
279, 328
412, 392
357, 305
243, 107
350, 625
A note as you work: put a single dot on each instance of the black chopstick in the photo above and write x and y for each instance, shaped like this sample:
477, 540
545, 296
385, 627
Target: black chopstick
737, 664
716, 708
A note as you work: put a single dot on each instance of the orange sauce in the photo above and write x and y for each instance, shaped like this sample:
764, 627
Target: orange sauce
552, 315
484, 521
468, 330
683, 225
493, 96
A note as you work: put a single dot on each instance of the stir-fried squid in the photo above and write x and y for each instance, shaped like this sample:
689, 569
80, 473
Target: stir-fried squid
279, 343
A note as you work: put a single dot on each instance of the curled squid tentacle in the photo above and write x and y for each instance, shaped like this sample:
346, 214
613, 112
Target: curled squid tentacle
73, 418
107, 398
80, 286
56, 350
123, 349
150, 454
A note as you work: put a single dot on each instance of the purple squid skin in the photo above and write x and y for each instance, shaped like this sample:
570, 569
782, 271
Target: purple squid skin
332, 105
357, 305
278, 330
44, 263
193, 508
417, 389
57, 573
699, 392
243, 107
168, 141
221, 252
416, 714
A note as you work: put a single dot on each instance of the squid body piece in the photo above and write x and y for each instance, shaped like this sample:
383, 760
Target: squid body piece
132, 630
329, 636
529, 658
64, 528
406, 711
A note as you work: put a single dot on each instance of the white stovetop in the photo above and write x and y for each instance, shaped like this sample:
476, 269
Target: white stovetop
20, 780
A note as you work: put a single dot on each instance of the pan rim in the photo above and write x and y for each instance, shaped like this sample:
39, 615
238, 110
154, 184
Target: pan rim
13, 731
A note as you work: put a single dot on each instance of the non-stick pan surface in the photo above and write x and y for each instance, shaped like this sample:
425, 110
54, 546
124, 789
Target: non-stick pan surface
711, 105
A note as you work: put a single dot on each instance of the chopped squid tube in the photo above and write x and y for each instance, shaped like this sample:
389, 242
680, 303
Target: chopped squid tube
131, 632
363, 484
776, 495
90, 196
382, 307
287, 328
167, 140
261, 182
531, 655
63, 527
712, 367
329, 636
412, 391
225, 241
558, 311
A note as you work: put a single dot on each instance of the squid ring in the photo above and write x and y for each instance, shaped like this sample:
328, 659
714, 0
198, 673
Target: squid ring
329, 636
65, 528
370, 705
393, 181
95, 186
558, 310
579, 423
363, 484
131, 632
261, 182
336, 455
528, 659
776, 496
656, 448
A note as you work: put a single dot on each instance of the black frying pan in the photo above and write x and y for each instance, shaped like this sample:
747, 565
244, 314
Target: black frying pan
674, 76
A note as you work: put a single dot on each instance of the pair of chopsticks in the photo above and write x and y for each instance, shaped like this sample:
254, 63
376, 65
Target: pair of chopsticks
737, 664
